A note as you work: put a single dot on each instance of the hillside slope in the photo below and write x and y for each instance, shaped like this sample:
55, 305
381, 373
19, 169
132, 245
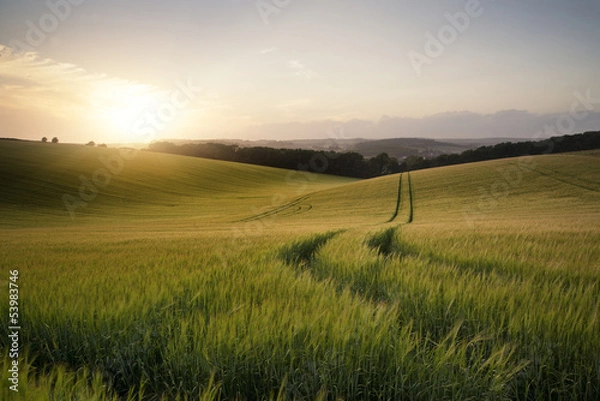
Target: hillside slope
546, 190
41, 182
62, 184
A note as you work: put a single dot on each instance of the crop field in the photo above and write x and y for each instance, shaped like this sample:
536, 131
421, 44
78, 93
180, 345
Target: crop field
146, 276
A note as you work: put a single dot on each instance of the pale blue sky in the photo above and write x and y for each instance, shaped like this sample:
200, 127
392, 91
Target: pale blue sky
101, 66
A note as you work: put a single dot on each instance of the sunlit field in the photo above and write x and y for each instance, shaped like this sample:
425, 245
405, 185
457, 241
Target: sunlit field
193, 279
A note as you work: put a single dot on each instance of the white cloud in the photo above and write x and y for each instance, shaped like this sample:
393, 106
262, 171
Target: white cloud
296, 65
267, 51
301, 70
68, 95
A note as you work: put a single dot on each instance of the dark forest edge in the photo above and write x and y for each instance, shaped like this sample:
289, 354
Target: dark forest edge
352, 164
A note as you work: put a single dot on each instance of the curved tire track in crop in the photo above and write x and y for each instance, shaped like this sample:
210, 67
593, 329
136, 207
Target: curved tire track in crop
302, 253
296, 206
554, 175
399, 199
410, 200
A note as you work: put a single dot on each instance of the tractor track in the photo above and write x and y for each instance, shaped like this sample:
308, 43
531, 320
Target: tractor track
296, 206
399, 199
554, 175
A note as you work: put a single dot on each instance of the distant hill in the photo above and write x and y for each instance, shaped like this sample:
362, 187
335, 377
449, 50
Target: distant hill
337, 144
401, 148
477, 142
381, 157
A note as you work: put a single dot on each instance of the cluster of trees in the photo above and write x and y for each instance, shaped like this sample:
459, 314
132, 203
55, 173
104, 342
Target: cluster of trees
349, 164
352, 164
558, 144
92, 143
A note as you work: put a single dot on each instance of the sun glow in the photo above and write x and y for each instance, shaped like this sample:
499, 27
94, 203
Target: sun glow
118, 107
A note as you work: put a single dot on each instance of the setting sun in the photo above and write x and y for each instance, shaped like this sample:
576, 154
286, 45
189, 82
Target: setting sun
119, 106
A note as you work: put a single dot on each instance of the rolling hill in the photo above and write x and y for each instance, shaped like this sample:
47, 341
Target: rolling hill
187, 277
401, 148
36, 177
118, 183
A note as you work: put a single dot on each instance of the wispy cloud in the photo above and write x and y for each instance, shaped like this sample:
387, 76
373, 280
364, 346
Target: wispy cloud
267, 51
36, 80
301, 70
52, 89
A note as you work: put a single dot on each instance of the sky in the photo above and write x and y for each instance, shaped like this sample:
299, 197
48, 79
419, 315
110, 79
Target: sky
141, 70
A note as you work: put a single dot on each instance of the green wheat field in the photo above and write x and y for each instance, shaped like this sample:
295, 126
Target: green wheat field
181, 278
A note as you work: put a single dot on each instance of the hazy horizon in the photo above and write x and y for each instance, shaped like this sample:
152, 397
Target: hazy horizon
134, 71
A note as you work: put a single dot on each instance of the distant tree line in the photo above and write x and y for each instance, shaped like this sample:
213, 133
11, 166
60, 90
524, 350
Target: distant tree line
557, 144
349, 164
352, 164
